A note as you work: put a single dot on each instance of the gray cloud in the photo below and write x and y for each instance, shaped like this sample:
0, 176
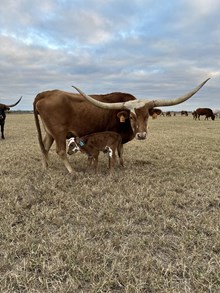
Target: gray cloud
141, 47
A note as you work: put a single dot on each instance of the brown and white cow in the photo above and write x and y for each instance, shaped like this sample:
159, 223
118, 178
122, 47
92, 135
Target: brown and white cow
62, 112
92, 144
3, 109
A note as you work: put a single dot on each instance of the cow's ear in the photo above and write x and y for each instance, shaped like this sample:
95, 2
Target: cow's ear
123, 115
77, 139
151, 111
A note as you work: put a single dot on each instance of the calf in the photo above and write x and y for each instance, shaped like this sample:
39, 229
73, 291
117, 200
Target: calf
93, 144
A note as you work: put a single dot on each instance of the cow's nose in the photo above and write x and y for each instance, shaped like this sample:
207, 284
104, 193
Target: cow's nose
141, 135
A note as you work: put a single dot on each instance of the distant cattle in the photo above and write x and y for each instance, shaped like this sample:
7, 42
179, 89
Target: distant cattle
184, 113
216, 113
207, 112
91, 145
194, 114
168, 113
3, 109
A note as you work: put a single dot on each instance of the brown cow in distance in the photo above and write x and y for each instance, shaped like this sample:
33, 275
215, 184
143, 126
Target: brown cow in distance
207, 112
3, 109
62, 113
194, 114
92, 144
184, 113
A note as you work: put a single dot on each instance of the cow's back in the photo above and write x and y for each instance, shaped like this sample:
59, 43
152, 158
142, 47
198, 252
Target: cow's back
71, 113
102, 139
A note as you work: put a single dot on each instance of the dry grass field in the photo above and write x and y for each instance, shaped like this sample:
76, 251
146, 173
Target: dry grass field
153, 226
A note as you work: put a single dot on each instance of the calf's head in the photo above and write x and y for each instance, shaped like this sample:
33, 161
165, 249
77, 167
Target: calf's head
72, 146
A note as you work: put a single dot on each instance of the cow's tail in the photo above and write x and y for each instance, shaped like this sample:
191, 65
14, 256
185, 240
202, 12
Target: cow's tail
40, 138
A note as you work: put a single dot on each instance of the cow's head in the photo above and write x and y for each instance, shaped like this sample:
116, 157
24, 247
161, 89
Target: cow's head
138, 121
4, 108
139, 109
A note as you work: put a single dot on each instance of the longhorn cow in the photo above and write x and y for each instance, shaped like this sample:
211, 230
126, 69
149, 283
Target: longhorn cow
80, 114
3, 109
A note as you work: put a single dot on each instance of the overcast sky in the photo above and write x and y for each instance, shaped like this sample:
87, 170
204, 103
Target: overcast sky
151, 49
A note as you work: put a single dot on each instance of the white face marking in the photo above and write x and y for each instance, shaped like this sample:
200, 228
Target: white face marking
109, 150
72, 146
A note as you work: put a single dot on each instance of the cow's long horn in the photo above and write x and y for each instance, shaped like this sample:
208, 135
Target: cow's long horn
101, 104
9, 106
135, 104
161, 103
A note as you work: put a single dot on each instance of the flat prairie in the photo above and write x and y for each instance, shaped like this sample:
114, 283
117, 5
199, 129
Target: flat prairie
152, 226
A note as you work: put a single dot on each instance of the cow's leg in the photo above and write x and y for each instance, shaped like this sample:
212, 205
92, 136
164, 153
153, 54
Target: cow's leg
95, 161
112, 159
61, 151
47, 141
90, 159
120, 154
111, 156
2, 130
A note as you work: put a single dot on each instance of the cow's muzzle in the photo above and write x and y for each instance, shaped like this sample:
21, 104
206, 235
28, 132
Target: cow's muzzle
141, 135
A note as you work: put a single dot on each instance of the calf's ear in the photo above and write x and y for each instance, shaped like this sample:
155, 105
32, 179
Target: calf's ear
122, 116
77, 139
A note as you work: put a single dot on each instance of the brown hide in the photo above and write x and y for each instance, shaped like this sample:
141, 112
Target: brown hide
64, 112
204, 111
95, 143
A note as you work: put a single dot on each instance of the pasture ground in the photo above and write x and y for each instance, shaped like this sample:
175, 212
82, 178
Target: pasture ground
153, 226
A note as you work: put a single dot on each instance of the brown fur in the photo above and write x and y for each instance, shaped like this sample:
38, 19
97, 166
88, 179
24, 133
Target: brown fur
95, 143
204, 111
63, 113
